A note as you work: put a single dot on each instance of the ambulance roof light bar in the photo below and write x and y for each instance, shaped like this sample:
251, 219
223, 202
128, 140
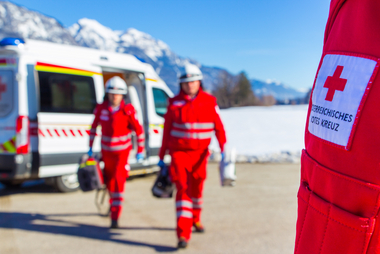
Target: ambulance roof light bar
9, 41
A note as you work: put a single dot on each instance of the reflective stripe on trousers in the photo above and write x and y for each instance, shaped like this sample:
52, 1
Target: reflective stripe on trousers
184, 214
116, 195
116, 198
184, 203
184, 208
197, 203
116, 203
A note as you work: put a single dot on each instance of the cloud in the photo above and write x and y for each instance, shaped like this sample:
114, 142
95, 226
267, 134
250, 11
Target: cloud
270, 81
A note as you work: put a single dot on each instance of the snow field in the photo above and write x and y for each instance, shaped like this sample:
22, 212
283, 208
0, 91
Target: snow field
264, 134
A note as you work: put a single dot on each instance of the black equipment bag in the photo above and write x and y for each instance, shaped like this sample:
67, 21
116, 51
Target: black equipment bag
163, 186
90, 176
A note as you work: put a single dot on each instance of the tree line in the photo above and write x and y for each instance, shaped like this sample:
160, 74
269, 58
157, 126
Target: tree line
236, 91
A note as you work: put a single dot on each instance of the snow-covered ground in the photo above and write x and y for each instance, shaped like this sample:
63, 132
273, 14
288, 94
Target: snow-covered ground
264, 134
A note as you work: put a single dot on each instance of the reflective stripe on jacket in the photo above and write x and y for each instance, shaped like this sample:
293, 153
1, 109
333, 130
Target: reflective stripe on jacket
192, 130
117, 127
190, 123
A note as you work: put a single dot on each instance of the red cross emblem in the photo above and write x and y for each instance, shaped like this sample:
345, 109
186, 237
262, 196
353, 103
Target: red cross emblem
335, 83
3, 88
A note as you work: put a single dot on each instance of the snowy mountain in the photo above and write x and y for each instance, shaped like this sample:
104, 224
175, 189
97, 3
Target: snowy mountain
17, 21
278, 90
92, 34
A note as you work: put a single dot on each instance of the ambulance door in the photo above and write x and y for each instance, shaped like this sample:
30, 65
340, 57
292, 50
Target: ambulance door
157, 97
136, 95
67, 97
8, 117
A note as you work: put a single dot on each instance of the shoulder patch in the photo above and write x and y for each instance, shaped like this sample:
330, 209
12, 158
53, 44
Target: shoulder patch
341, 88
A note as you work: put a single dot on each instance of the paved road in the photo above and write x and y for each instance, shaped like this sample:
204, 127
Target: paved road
256, 216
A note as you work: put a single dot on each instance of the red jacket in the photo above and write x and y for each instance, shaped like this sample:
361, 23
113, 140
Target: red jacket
117, 127
190, 123
338, 200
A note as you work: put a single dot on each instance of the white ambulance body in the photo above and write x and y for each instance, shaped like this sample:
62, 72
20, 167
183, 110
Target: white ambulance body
47, 95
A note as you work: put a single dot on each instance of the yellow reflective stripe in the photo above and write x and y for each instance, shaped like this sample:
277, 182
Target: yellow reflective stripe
66, 71
9, 147
149, 79
87, 163
156, 125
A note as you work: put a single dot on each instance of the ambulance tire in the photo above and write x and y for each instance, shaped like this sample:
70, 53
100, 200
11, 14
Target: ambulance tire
66, 183
12, 184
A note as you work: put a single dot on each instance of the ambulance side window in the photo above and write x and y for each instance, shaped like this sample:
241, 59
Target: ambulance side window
160, 101
64, 93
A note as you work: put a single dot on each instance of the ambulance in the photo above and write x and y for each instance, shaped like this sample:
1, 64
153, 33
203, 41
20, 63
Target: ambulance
48, 93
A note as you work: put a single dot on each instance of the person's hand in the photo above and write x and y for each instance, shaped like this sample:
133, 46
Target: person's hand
161, 164
163, 167
90, 152
223, 155
222, 160
139, 157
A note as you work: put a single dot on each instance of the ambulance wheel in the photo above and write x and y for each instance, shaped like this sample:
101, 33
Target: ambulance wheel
66, 183
12, 184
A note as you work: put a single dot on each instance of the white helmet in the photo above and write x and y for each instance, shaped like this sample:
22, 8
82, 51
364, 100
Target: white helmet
190, 73
116, 85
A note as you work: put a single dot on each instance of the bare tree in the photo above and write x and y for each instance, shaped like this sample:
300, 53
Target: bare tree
268, 100
234, 91
225, 90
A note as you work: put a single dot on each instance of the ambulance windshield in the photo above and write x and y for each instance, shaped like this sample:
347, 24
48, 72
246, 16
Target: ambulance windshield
6, 92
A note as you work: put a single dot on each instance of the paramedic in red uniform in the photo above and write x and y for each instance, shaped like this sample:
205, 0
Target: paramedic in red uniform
117, 120
339, 194
190, 121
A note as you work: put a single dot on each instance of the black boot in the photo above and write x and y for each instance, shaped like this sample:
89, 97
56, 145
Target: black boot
114, 224
182, 243
199, 227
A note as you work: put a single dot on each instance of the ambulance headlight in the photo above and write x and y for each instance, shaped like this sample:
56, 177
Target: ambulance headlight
19, 159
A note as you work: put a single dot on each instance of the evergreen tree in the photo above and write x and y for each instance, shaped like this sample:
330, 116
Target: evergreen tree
244, 95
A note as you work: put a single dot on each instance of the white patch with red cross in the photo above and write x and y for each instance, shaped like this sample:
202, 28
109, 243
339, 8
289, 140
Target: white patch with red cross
340, 90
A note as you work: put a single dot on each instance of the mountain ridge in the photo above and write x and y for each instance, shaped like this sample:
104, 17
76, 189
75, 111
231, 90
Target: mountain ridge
18, 21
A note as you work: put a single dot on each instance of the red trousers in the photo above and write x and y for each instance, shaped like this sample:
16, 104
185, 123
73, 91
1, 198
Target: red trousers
116, 172
188, 172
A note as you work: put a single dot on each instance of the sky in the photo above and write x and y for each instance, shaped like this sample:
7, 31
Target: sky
278, 40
